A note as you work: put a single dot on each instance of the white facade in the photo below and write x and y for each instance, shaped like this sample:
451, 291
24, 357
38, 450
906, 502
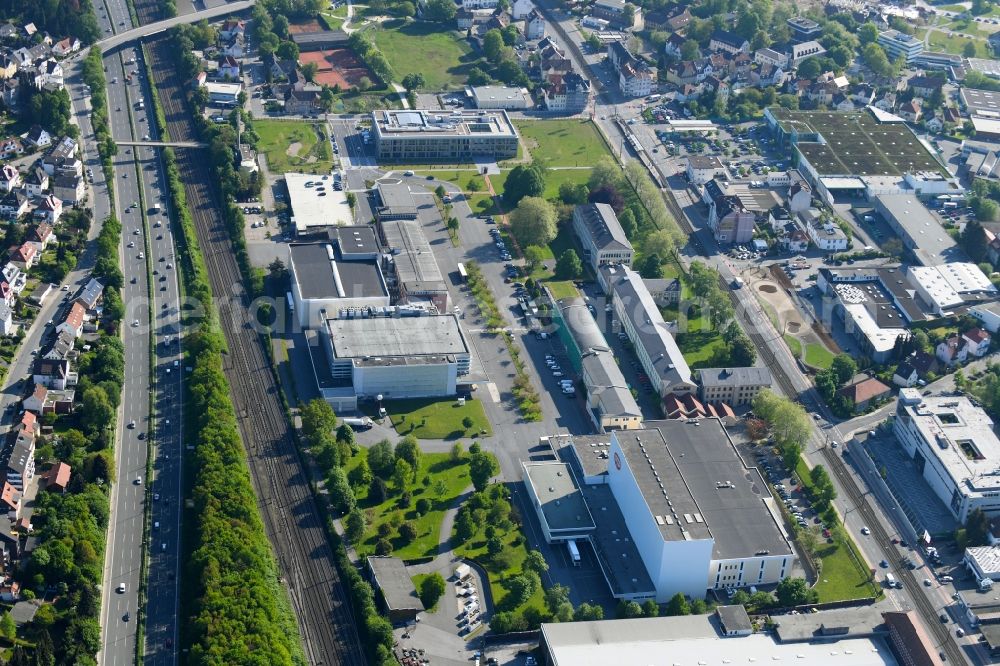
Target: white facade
520, 9
988, 314
409, 381
636, 84
674, 566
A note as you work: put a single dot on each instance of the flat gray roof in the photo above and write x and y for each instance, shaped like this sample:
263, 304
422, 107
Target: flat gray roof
854, 622
319, 275
396, 585
589, 451
396, 199
608, 385
930, 242
315, 203
377, 337
705, 478
982, 102
561, 500
734, 618
735, 376
411, 254
355, 239
618, 555
418, 124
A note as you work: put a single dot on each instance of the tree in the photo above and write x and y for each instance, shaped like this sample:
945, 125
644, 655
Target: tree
533, 222
658, 242
977, 528
555, 596
628, 609
568, 266
521, 587
742, 353
573, 193
875, 59
457, 451
318, 418
505, 622
354, 525
810, 68
678, 605
381, 459
345, 435
413, 81
309, 71
605, 172
795, 592
607, 194
587, 613
493, 45
465, 526
440, 11
651, 267
408, 449
533, 257
468, 422
867, 33
432, 588
523, 181
650, 608
401, 475
690, 50
407, 532
7, 626
973, 240
483, 466
360, 475
377, 491
341, 495
844, 367
535, 561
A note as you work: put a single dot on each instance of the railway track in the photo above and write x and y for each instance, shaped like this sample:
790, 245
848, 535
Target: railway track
291, 517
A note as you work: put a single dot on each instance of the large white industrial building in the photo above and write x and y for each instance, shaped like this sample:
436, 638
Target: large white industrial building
698, 517
397, 357
954, 446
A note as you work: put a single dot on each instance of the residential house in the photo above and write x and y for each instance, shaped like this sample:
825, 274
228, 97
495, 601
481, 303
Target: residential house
65, 46
717, 86
728, 217
823, 233
47, 73
552, 59
842, 102
38, 137
680, 17
61, 347
617, 13
10, 147
806, 50
90, 295
50, 209
8, 67
520, 9
229, 68
57, 477
36, 182
534, 25
665, 292
464, 18
36, 401
54, 374
601, 235
905, 375
672, 46
70, 189
480, 4
799, 196
729, 42
8, 32
10, 503
41, 235
923, 363
234, 46
9, 177
863, 392
14, 204
232, 28
977, 342
6, 293
29, 30
794, 239
21, 463
566, 93
886, 102
635, 78
74, 320
933, 123
925, 87
952, 351
703, 168
910, 111
6, 318
768, 56
25, 256
301, 102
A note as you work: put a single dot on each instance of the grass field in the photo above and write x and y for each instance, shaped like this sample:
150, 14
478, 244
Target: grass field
446, 480
818, 356
794, 345
562, 289
437, 419
278, 137
441, 56
563, 142
347, 102
700, 344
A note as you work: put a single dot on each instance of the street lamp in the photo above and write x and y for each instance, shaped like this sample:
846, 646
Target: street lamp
379, 399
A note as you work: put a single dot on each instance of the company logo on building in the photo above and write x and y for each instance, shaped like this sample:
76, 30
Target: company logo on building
618, 461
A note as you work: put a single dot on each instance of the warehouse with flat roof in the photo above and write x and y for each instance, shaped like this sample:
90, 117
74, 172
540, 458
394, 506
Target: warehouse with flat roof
411, 271
396, 590
916, 227
398, 357
403, 135
324, 282
315, 204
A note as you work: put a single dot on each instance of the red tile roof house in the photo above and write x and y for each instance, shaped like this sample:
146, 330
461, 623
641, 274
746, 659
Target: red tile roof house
58, 477
25, 256
977, 341
862, 393
74, 320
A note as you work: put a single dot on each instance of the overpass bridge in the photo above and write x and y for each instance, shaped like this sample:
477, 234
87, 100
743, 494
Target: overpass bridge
128, 36
163, 144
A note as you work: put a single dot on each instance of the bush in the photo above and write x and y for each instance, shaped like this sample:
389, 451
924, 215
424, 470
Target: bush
431, 589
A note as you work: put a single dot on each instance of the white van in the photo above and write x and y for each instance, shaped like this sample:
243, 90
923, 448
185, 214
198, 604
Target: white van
890, 581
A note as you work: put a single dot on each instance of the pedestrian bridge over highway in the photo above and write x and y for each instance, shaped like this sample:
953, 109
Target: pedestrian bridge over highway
129, 36
163, 144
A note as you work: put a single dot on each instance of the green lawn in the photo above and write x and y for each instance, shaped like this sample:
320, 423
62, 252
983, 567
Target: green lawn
700, 344
794, 345
444, 475
564, 142
348, 102
442, 56
556, 177
459, 177
818, 356
437, 419
955, 44
562, 289
277, 137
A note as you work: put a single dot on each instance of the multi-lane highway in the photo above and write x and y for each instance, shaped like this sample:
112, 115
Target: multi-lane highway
146, 251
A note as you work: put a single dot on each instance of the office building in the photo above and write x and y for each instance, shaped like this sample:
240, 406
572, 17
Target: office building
456, 136
601, 235
501, 97
953, 443
733, 386
803, 29
898, 44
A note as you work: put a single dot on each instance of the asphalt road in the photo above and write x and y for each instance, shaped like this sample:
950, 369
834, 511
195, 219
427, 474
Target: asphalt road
139, 169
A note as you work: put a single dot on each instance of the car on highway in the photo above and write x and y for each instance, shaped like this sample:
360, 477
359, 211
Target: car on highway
131, 425
865, 531
138, 481
121, 588
135, 323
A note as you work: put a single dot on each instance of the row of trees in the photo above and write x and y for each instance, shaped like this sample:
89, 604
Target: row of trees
829, 381
93, 76
370, 55
235, 597
788, 422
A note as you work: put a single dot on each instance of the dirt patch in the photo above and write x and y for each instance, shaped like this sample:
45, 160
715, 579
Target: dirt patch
305, 27
293, 150
768, 288
793, 327
337, 67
